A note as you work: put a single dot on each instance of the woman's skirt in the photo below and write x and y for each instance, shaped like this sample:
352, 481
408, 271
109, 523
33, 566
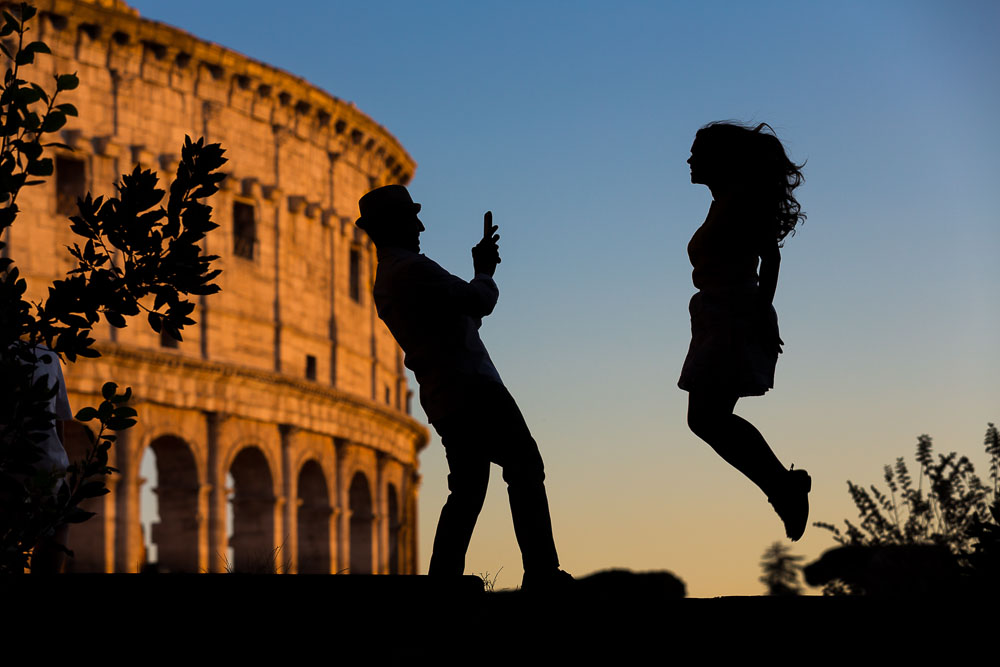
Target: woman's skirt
734, 346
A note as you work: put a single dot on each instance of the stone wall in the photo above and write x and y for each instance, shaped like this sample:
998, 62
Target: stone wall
288, 381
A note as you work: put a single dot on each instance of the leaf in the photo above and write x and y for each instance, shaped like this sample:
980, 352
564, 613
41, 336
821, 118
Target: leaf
24, 57
161, 298
108, 390
66, 82
41, 92
28, 95
86, 414
173, 331
68, 109
115, 319
93, 489
31, 150
53, 121
37, 47
121, 424
79, 516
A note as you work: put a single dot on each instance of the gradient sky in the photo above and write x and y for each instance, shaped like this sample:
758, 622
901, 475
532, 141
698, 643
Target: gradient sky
572, 123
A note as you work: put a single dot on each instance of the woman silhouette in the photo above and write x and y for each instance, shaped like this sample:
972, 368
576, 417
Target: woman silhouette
734, 328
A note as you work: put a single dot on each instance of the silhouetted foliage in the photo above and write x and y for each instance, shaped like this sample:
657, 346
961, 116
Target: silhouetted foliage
781, 570
948, 506
897, 571
133, 249
638, 588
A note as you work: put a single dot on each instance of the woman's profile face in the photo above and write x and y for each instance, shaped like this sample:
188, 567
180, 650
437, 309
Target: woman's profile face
701, 162
713, 162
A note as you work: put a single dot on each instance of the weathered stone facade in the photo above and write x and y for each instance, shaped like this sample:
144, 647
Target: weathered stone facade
288, 382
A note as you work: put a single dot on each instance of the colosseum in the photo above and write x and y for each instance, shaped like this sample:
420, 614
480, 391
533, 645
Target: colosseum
280, 427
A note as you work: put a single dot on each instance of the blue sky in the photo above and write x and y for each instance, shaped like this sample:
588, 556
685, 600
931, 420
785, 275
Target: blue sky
572, 122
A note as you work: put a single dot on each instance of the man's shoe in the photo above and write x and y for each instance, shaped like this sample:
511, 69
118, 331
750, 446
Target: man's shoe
552, 581
792, 503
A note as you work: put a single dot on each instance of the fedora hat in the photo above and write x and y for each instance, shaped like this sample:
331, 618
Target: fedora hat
385, 204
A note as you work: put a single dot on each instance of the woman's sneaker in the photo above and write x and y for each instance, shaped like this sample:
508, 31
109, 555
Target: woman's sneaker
792, 504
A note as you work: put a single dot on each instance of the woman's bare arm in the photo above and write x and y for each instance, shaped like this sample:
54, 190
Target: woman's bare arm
770, 261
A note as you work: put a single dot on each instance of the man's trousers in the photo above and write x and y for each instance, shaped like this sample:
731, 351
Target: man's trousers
488, 427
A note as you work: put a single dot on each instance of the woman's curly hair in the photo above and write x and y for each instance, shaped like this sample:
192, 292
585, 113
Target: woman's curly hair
758, 163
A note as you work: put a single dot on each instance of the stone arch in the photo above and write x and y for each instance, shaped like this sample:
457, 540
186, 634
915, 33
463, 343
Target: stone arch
394, 526
362, 522
316, 449
177, 534
238, 435
253, 506
313, 520
130, 451
157, 421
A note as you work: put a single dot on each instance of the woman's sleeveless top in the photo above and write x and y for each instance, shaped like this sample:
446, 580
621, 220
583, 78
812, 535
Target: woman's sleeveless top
725, 249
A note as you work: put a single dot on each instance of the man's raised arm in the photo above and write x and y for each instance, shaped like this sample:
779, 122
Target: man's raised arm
475, 298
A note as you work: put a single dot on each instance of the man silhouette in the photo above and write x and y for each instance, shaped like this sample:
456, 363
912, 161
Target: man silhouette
435, 317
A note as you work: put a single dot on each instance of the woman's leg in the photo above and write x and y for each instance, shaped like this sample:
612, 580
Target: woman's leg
736, 440
711, 418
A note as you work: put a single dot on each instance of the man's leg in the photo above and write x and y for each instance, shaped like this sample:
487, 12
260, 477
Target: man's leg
516, 451
468, 477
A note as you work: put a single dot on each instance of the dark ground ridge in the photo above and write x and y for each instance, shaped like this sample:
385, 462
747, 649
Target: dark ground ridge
383, 619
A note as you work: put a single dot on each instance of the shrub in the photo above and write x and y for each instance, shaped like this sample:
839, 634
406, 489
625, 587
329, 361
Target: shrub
947, 505
781, 570
133, 252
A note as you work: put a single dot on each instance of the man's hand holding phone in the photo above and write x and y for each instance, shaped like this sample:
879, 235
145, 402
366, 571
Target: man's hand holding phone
486, 253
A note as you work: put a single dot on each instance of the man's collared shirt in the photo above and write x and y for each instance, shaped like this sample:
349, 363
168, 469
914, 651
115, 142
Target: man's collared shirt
435, 317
